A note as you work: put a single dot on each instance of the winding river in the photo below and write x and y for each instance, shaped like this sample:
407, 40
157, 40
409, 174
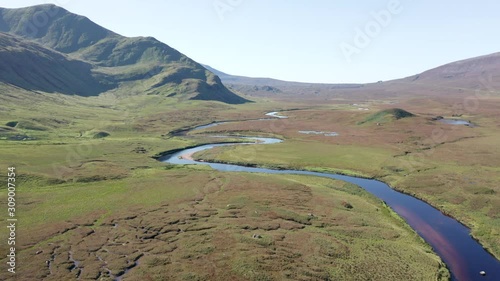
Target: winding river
451, 240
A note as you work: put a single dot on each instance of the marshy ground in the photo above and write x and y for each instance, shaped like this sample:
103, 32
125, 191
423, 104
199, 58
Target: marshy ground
103, 208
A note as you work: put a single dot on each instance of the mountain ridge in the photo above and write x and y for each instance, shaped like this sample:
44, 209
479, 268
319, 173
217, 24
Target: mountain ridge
114, 59
265, 81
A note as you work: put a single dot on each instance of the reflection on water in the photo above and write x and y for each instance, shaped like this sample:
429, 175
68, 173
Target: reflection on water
276, 114
456, 122
326, 134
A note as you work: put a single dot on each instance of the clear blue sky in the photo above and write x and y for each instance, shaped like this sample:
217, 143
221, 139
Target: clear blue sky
310, 41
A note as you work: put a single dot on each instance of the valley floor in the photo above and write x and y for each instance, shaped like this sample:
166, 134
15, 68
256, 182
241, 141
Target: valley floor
101, 207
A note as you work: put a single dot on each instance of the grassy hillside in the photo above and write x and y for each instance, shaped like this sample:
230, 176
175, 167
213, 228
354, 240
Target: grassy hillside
33, 67
111, 61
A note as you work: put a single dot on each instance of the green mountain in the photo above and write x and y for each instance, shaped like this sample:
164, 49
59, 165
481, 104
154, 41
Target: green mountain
33, 67
480, 73
47, 48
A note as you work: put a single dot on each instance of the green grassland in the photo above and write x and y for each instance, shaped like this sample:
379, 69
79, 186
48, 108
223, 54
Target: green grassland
107, 204
455, 168
190, 224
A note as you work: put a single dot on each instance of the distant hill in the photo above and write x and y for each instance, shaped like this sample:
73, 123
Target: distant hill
265, 86
387, 115
453, 79
475, 73
234, 79
71, 42
457, 80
